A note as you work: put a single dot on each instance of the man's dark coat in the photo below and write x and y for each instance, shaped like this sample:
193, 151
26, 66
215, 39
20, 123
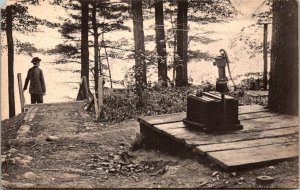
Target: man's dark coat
37, 82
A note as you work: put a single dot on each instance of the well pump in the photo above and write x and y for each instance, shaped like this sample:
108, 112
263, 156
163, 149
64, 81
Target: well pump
221, 62
213, 111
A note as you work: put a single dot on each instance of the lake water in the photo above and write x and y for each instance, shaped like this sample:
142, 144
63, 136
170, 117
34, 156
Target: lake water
62, 81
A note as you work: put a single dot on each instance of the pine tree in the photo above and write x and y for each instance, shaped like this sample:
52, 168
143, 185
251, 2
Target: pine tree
10, 52
105, 17
139, 48
283, 94
85, 40
15, 17
160, 42
182, 40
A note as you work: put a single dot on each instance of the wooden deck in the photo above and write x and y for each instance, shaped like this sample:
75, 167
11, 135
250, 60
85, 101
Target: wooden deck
266, 137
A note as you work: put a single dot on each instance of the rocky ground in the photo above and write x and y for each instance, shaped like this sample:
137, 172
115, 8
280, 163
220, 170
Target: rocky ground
62, 147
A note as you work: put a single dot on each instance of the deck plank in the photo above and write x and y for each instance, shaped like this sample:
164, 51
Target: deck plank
256, 115
170, 118
203, 149
252, 109
266, 123
193, 141
246, 157
255, 124
166, 118
199, 138
266, 137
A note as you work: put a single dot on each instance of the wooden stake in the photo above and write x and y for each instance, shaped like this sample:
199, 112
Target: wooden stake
100, 93
90, 105
96, 105
21, 93
265, 74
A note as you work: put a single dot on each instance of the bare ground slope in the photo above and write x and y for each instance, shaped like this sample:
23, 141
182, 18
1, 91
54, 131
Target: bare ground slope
65, 148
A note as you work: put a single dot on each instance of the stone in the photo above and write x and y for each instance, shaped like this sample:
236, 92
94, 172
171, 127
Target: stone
264, 180
171, 170
3, 158
23, 159
272, 167
23, 130
242, 179
16, 185
52, 138
13, 150
28, 158
30, 175
214, 174
25, 185
5, 184
233, 174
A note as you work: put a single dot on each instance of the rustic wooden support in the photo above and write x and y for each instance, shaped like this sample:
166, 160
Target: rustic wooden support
265, 74
90, 93
90, 105
100, 93
21, 93
96, 106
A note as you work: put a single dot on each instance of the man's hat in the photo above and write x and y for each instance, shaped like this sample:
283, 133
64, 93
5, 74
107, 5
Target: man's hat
35, 60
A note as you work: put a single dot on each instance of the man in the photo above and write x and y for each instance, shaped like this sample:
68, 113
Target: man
37, 88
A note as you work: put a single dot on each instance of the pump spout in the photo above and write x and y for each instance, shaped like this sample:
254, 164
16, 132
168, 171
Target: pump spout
224, 54
221, 62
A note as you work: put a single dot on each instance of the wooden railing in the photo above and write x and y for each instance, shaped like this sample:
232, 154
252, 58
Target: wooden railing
21, 92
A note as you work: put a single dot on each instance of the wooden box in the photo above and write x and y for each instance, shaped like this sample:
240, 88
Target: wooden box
210, 114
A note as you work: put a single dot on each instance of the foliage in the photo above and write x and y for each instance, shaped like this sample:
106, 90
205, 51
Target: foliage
66, 50
206, 10
264, 12
156, 100
253, 81
197, 54
207, 86
25, 48
166, 100
110, 16
22, 21
212, 10
103, 17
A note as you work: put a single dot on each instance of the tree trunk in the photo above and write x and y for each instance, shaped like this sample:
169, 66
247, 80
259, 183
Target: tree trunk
10, 48
96, 47
283, 94
85, 40
139, 47
182, 40
160, 43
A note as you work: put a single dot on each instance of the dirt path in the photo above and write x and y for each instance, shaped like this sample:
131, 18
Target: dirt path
65, 148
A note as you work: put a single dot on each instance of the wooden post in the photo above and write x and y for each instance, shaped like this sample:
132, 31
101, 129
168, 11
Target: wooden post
100, 93
265, 52
21, 93
96, 105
